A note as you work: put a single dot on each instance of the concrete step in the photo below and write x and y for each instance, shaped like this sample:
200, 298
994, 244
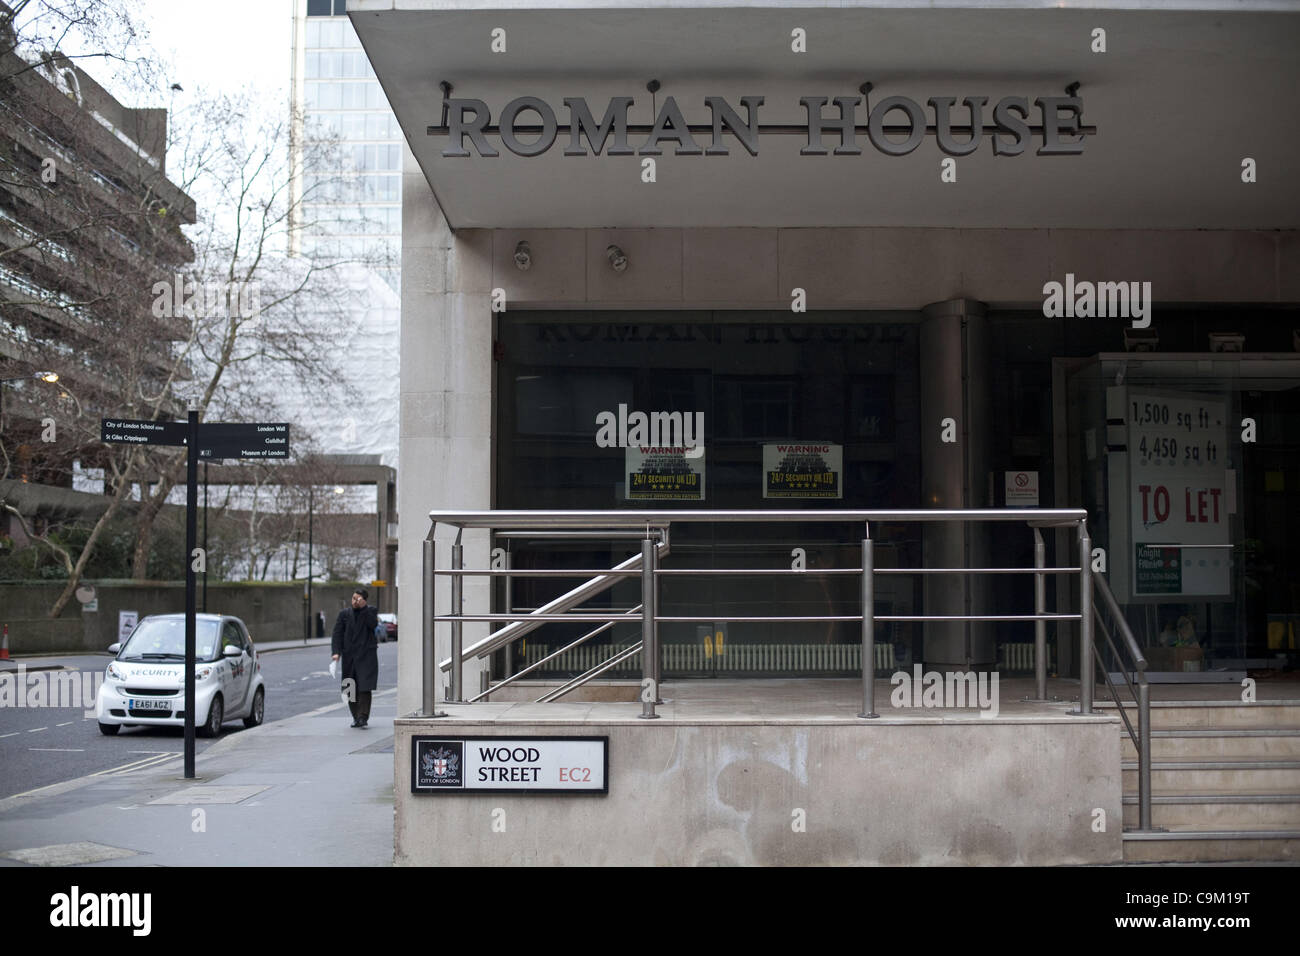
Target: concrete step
1218, 742
1208, 844
1223, 811
1211, 714
1246, 775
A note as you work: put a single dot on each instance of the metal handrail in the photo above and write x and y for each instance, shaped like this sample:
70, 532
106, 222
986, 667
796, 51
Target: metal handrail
525, 623
525, 520
1108, 597
1141, 694
651, 525
551, 656
630, 651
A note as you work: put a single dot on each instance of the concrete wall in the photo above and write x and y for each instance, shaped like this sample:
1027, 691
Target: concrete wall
272, 612
446, 411
885, 268
979, 792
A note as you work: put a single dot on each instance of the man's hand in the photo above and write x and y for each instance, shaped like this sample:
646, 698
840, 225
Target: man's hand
334, 657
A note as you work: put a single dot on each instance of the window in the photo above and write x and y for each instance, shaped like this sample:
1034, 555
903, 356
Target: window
231, 636
332, 31
319, 8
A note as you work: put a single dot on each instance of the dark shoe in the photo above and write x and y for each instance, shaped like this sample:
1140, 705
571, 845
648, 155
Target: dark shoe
365, 722
356, 722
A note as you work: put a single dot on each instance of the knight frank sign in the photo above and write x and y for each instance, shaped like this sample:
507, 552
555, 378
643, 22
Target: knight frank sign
896, 125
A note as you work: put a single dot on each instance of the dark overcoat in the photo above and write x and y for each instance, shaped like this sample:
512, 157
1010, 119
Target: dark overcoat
354, 642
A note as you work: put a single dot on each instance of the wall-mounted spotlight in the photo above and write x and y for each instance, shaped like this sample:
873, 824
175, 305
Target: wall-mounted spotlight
1140, 340
617, 258
1227, 342
1072, 89
523, 256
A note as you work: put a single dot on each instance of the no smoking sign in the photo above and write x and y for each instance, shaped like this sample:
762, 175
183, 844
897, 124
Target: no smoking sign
1022, 489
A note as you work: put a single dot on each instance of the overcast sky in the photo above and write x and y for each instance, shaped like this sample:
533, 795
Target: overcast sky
224, 45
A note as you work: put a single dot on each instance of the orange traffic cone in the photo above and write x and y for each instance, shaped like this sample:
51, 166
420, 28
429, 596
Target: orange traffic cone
4, 645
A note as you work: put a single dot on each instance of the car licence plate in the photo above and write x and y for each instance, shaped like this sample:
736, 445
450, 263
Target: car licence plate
149, 705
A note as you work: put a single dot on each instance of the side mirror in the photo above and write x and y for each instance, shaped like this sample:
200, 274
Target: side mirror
230, 650
114, 648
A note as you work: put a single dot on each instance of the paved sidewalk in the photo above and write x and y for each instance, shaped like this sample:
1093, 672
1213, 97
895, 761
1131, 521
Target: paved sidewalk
305, 791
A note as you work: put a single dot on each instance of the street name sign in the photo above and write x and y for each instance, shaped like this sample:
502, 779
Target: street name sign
509, 764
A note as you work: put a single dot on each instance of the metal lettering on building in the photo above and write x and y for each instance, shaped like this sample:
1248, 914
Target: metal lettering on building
895, 126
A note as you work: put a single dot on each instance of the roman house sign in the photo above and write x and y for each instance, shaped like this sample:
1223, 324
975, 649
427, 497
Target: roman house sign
895, 126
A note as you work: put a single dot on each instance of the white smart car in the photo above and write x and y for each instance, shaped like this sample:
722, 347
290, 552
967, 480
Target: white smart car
144, 686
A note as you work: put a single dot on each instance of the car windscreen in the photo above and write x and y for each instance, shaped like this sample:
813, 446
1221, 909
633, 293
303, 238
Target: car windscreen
163, 639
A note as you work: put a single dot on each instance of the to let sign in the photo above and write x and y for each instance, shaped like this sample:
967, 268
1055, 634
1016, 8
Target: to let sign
1180, 519
510, 765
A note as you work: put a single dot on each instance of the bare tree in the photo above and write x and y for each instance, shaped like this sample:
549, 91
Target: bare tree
264, 315
137, 315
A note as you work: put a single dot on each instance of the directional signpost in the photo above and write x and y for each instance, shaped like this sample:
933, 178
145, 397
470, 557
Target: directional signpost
258, 441
207, 442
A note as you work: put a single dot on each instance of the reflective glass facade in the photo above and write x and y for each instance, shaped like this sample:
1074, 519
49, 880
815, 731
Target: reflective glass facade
823, 412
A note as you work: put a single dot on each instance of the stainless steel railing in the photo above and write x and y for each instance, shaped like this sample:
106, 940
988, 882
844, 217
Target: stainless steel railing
652, 529
1138, 687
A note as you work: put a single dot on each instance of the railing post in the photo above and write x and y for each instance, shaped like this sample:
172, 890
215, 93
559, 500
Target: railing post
868, 628
649, 646
1040, 608
1086, 685
429, 686
1144, 754
509, 649
658, 656
456, 692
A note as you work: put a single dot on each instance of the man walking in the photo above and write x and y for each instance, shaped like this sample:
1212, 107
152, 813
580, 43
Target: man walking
354, 641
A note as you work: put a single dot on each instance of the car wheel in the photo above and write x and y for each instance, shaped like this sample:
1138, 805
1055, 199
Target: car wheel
255, 713
215, 716
109, 730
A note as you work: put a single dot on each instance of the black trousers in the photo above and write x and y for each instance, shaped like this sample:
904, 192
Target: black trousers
361, 706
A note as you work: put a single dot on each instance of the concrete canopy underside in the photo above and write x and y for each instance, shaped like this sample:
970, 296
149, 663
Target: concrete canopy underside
1179, 99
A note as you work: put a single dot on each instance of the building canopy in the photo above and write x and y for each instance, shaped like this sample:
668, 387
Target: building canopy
1170, 108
